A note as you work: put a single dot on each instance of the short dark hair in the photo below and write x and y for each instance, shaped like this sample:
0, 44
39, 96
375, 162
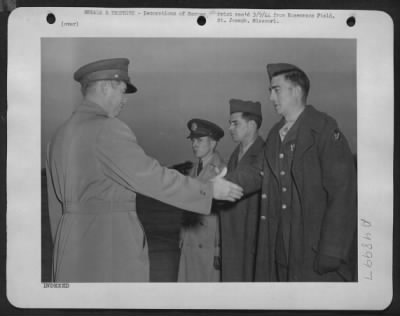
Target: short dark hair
300, 79
252, 117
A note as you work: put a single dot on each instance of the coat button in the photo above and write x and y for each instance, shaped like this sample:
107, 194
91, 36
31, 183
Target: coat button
281, 155
263, 217
262, 173
284, 189
282, 173
264, 196
284, 206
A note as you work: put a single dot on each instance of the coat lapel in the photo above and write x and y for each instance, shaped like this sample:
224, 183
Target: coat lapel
209, 171
305, 140
253, 150
272, 146
305, 135
233, 160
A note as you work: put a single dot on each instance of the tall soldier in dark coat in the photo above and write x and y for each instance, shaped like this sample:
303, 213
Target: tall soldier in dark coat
239, 220
308, 214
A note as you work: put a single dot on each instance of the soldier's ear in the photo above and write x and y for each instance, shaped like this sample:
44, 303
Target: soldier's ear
298, 91
253, 124
213, 143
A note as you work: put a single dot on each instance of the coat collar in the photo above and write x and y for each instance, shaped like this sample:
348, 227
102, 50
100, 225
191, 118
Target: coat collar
311, 119
209, 171
216, 160
90, 107
310, 123
255, 148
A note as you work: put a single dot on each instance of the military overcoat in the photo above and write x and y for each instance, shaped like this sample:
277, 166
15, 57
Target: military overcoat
95, 167
239, 220
323, 171
200, 236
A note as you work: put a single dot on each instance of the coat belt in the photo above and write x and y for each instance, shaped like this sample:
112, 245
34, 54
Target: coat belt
95, 207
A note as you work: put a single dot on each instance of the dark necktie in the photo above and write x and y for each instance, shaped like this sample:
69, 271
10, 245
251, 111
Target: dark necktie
199, 167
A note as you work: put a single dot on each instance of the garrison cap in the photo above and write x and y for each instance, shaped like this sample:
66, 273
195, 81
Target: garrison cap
237, 105
200, 128
106, 69
281, 68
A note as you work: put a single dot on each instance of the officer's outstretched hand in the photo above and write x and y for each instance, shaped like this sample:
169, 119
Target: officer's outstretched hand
324, 264
225, 190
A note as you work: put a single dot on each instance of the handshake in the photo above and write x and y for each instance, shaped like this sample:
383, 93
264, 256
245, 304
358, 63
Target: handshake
224, 189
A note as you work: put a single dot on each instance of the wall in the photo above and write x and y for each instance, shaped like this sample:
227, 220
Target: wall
179, 79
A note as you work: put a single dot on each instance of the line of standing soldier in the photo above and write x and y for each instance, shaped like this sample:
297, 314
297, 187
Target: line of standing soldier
296, 220
307, 221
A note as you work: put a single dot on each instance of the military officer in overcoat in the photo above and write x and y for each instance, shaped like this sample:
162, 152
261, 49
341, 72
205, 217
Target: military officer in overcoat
239, 220
200, 234
95, 166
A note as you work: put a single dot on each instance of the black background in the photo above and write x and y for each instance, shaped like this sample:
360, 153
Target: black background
392, 7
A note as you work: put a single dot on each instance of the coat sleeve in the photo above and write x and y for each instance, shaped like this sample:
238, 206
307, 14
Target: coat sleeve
54, 204
340, 183
124, 161
249, 176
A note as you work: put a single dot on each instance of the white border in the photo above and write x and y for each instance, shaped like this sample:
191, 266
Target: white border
374, 34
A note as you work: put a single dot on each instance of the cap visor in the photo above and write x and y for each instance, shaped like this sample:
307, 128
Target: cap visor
130, 88
197, 135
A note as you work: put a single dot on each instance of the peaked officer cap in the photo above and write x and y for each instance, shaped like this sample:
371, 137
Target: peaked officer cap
106, 69
200, 128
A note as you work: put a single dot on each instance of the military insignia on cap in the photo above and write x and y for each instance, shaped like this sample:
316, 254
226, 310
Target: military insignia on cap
193, 127
106, 69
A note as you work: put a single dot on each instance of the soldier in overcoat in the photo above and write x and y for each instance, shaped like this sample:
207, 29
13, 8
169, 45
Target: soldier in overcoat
239, 220
200, 234
308, 219
95, 166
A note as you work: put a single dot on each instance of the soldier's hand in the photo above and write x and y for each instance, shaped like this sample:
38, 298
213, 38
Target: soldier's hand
225, 190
